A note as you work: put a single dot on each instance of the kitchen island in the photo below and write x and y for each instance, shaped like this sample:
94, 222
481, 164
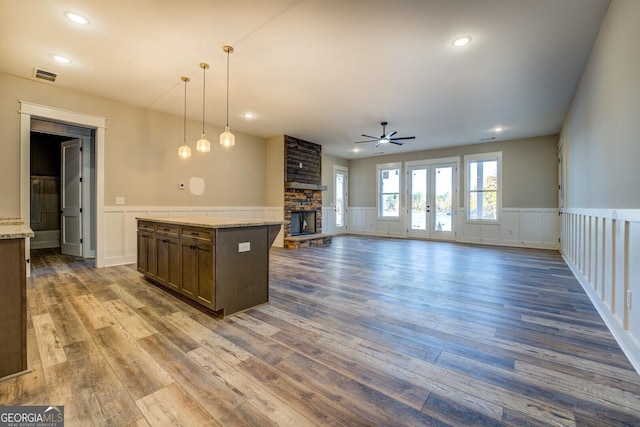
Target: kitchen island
222, 264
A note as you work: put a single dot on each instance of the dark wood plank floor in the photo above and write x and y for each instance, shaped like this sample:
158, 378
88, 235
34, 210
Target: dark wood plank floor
365, 331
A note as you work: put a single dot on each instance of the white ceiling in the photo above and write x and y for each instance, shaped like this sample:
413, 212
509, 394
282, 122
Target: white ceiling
325, 71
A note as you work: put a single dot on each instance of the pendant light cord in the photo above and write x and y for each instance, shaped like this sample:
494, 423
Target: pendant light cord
184, 131
228, 53
204, 83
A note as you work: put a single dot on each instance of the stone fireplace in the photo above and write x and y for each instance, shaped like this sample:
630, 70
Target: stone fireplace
303, 194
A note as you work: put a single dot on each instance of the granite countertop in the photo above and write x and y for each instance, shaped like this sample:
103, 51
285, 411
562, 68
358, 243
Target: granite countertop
213, 222
14, 228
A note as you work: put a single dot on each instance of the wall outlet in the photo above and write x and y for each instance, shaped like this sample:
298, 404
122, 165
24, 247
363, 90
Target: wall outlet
629, 299
244, 247
119, 200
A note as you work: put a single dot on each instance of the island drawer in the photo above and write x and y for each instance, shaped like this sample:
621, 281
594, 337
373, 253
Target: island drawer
205, 234
167, 229
146, 226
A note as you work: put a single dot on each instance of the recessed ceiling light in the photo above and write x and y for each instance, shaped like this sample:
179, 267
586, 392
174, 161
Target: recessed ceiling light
78, 19
498, 129
248, 115
60, 58
356, 150
461, 41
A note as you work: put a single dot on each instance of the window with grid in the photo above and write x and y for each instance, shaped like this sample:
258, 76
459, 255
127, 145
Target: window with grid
484, 187
389, 190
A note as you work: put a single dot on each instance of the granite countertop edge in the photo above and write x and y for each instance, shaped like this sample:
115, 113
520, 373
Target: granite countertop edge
212, 222
14, 228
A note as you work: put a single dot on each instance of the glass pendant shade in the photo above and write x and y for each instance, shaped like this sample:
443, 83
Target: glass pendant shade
184, 151
203, 145
227, 139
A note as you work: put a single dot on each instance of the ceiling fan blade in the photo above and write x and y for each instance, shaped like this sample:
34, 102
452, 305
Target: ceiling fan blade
369, 136
378, 144
370, 140
390, 135
397, 143
404, 137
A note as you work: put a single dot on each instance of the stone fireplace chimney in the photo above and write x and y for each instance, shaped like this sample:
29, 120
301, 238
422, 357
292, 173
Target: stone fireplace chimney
303, 193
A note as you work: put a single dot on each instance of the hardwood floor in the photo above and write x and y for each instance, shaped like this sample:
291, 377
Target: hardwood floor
365, 331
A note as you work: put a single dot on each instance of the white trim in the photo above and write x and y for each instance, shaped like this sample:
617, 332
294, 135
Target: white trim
28, 110
631, 215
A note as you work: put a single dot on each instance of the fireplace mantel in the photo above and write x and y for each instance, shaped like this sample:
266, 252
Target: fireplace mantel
303, 186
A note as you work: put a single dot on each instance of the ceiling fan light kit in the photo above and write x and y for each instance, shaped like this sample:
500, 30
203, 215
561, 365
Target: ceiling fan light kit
385, 138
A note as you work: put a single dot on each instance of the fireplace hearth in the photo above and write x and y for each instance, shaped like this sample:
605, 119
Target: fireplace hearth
303, 222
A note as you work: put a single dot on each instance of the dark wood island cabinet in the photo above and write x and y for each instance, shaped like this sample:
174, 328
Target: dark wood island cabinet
221, 264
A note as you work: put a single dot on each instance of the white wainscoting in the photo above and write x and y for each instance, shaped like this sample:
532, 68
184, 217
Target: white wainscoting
531, 228
120, 227
602, 248
525, 227
328, 221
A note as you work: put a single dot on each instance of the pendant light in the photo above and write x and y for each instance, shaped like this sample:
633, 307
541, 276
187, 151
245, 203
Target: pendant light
184, 151
226, 138
203, 145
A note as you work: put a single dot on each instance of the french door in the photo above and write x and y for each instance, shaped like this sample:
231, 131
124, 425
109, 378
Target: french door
431, 196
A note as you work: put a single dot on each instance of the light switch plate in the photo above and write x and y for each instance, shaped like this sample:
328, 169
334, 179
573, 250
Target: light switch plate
244, 247
119, 200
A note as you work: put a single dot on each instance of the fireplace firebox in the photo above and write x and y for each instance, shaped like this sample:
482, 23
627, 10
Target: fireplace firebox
303, 222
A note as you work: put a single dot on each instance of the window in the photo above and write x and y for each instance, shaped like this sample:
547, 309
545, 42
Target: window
484, 186
389, 190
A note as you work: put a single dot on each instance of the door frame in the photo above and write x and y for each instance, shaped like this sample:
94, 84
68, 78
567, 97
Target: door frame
344, 170
99, 124
431, 164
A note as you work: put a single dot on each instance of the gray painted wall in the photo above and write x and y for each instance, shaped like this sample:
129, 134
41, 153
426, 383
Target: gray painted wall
601, 135
529, 169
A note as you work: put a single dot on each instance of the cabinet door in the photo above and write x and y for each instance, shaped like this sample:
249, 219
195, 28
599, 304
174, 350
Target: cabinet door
205, 275
168, 261
189, 270
13, 315
147, 254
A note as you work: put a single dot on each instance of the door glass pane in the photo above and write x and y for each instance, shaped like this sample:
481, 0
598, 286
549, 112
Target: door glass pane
339, 200
443, 198
419, 199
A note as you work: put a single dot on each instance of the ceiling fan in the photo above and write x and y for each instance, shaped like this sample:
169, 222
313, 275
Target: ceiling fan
385, 137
